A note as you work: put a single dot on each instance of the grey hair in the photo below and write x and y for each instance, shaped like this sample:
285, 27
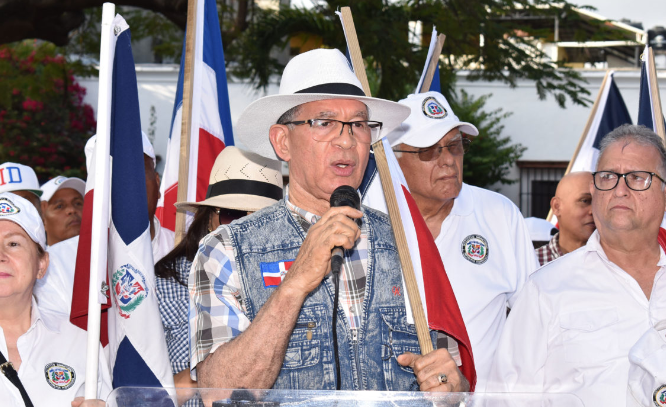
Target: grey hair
289, 115
640, 135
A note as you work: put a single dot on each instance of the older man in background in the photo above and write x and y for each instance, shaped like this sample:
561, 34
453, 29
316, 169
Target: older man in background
572, 204
481, 236
577, 318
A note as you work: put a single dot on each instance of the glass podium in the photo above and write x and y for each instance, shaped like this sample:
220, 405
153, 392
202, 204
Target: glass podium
152, 397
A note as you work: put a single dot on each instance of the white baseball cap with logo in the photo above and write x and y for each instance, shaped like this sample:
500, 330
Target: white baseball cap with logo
431, 119
24, 214
59, 182
18, 177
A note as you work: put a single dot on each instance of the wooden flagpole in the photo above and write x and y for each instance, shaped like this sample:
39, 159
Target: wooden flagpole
430, 73
422, 330
654, 93
590, 119
185, 129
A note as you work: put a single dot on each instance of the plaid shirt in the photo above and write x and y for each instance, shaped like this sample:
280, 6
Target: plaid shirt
550, 251
173, 300
217, 313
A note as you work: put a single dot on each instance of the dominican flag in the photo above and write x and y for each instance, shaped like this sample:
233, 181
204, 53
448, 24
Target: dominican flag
648, 113
441, 308
610, 113
371, 187
273, 273
435, 85
133, 328
211, 129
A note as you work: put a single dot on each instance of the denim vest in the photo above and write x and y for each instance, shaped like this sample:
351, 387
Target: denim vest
367, 354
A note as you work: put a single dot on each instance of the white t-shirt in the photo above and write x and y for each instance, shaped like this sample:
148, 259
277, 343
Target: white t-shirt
162, 242
572, 327
53, 363
488, 255
54, 290
499, 258
647, 358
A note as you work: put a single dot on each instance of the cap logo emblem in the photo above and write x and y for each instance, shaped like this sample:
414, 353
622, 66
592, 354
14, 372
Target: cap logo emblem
7, 207
475, 249
59, 375
59, 180
433, 109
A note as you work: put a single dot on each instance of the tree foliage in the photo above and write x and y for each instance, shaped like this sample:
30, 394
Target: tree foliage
43, 120
491, 155
510, 51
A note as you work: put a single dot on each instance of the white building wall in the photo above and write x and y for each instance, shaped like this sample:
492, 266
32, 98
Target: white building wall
549, 132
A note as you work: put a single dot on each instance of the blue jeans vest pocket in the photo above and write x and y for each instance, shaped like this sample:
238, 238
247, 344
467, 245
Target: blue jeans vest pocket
398, 337
307, 362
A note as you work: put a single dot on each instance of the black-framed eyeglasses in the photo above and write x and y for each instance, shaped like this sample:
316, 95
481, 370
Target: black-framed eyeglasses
325, 130
456, 148
635, 180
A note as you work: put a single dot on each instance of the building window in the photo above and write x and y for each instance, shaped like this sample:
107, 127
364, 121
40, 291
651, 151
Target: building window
538, 182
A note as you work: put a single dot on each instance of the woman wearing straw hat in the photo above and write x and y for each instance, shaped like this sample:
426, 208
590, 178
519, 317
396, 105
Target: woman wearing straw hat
240, 183
41, 362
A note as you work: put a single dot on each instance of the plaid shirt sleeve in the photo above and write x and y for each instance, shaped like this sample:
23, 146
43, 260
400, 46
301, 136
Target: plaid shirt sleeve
216, 313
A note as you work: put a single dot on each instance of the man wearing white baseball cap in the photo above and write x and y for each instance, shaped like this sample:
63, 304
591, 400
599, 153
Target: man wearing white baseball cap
262, 304
62, 208
21, 180
162, 239
41, 362
481, 236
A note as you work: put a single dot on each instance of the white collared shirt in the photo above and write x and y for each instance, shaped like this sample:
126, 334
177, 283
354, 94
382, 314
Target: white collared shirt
572, 327
163, 241
53, 363
54, 290
485, 279
647, 358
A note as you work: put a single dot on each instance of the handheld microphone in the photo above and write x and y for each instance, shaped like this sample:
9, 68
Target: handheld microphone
343, 196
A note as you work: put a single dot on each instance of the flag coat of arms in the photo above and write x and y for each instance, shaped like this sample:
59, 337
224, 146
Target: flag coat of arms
137, 348
211, 128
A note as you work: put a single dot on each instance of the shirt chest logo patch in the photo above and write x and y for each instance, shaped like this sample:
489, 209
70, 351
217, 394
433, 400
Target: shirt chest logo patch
273, 273
659, 396
475, 249
59, 375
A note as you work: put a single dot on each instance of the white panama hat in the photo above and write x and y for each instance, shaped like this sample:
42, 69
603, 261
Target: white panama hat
430, 120
242, 181
315, 75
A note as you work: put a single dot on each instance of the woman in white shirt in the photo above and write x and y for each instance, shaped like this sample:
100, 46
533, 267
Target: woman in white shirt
42, 358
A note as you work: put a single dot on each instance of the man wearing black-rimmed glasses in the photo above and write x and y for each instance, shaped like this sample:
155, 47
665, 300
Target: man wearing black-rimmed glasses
481, 235
574, 323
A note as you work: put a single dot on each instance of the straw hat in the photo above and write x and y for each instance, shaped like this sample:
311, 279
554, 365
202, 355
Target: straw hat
314, 75
241, 180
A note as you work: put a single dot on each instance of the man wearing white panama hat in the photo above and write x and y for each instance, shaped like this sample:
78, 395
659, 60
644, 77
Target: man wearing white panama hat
481, 236
261, 300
